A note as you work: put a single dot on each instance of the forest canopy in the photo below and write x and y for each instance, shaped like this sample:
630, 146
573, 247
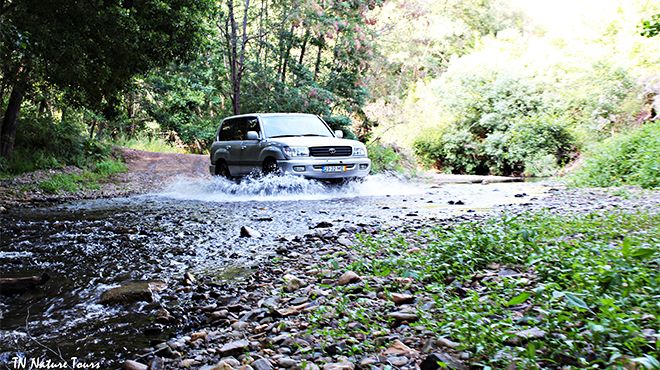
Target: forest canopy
470, 86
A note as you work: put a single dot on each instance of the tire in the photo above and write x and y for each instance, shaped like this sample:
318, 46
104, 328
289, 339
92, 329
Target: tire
270, 167
221, 169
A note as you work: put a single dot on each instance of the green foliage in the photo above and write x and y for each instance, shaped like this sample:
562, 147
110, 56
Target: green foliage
651, 27
386, 158
631, 158
149, 143
587, 283
70, 182
43, 144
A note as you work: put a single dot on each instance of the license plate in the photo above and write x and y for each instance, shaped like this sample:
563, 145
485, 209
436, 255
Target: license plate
334, 169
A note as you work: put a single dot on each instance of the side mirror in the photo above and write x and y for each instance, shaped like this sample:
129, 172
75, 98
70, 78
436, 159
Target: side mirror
252, 135
339, 133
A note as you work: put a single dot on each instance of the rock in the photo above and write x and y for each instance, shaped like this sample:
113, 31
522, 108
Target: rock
344, 241
248, 232
163, 316
156, 364
398, 361
189, 279
403, 316
366, 362
188, 362
262, 364
3, 209
222, 365
345, 365
231, 361
531, 333
235, 347
22, 284
133, 291
447, 343
286, 362
293, 283
134, 365
398, 348
198, 335
401, 298
323, 225
348, 277
433, 361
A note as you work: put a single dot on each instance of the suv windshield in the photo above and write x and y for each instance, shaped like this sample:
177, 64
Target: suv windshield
281, 126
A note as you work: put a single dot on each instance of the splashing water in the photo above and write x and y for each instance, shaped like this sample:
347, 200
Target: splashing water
285, 188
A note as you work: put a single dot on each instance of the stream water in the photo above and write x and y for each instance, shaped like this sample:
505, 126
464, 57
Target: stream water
88, 247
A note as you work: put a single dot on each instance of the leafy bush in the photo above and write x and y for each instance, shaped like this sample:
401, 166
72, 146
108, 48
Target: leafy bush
627, 159
385, 158
533, 146
150, 143
42, 144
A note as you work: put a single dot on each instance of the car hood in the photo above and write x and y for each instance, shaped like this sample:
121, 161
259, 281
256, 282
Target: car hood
314, 141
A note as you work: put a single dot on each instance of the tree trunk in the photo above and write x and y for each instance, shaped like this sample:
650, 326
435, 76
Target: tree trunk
317, 65
288, 54
302, 48
10, 121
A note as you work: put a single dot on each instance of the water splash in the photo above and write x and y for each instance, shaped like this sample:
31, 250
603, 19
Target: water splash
285, 188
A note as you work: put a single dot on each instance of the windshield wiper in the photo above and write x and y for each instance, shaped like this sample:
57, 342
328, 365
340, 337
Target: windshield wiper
314, 135
283, 136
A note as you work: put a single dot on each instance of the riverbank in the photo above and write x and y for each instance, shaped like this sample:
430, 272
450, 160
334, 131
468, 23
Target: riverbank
540, 285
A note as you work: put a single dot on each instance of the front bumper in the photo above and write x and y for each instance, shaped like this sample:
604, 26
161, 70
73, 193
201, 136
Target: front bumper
313, 167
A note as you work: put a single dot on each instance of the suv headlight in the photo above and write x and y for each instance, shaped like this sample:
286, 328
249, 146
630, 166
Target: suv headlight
296, 151
359, 151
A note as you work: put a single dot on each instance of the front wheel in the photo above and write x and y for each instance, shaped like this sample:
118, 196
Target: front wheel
221, 169
270, 167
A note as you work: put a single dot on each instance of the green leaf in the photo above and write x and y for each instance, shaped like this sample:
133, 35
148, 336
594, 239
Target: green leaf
575, 301
642, 253
520, 298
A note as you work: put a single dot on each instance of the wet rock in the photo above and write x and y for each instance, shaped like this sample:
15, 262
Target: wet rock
133, 291
262, 364
198, 335
163, 316
3, 209
248, 232
22, 284
323, 225
134, 365
293, 283
156, 364
403, 316
348, 277
433, 361
234, 348
402, 298
189, 279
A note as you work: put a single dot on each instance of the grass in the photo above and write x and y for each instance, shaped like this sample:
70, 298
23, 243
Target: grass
88, 179
587, 285
150, 144
632, 158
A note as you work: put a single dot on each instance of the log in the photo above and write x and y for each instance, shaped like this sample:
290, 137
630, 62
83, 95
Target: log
22, 284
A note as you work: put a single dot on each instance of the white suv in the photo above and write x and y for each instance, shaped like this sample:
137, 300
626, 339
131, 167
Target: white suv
295, 143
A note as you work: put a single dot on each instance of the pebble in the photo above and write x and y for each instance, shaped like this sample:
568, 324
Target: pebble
348, 277
262, 364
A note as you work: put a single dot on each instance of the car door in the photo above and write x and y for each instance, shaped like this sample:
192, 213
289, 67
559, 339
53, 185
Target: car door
251, 149
231, 138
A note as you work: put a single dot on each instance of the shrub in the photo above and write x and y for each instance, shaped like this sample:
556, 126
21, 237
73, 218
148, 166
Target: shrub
387, 158
627, 159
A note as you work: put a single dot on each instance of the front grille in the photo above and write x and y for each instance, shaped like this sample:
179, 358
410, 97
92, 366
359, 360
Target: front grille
330, 151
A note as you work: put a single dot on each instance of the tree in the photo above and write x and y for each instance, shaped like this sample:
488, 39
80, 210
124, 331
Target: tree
651, 27
90, 50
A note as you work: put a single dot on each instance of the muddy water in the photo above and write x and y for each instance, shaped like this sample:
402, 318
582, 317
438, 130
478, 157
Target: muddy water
192, 226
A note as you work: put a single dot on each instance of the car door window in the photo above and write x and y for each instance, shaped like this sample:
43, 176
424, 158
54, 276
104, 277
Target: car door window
252, 124
230, 130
